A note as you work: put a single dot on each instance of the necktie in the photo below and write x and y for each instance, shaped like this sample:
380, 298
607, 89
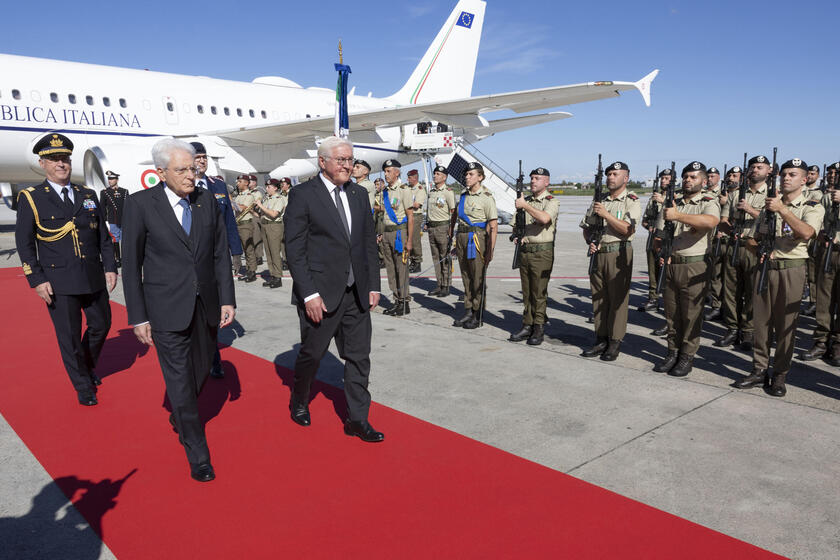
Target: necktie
200, 183
186, 219
340, 206
66, 196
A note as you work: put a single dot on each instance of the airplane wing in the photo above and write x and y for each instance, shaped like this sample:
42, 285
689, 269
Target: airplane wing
460, 112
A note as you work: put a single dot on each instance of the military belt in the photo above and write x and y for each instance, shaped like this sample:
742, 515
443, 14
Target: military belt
614, 247
438, 223
782, 264
687, 260
536, 247
463, 228
270, 221
395, 228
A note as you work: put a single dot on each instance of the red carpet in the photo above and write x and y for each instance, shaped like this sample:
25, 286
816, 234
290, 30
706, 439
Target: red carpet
283, 490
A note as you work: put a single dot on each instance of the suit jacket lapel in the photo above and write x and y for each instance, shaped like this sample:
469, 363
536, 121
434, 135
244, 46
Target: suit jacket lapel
56, 199
197, 217
78, 198
329, 204
167, 214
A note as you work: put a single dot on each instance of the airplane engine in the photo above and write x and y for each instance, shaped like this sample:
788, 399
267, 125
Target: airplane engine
133, 163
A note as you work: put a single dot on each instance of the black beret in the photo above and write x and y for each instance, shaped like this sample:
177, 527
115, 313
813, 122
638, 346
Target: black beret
758, 159
111, 175
473, 165
273, 183
665, 173
617, 166
736, 169
713, 170
53, 144
835, 166
814, 168
362, 162
693, 166
794, 163
541, 171
199, 148
441, 169
390, 163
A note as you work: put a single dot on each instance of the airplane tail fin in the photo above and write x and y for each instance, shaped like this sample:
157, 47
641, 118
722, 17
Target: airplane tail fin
447, 69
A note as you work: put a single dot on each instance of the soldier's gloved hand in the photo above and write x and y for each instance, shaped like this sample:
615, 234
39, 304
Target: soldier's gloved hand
111, 280
45, 292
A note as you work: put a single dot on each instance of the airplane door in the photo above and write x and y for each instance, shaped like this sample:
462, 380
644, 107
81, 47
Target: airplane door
170, 110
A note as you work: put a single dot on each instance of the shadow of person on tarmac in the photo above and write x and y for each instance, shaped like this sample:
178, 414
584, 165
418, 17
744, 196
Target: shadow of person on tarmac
119, 353
329, 381
50, 529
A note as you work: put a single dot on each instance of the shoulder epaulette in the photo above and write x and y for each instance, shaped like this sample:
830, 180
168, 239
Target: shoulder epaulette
549, 197
488, 193
812, 202
632, 196
30, 189
707, 198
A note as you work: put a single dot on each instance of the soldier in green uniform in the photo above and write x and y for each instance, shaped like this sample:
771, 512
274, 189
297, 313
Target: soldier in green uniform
812, 191
776, 308
610, 283
245, 203
476, 239
441, 208
686, 272
730, 185
418, 197
651, 215
272, 209
736, 307
827, 296
398, 236
715, 189
536, 255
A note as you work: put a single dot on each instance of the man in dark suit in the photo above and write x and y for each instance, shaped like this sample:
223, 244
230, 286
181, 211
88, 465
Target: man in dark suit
68, 258
331, 248
112, 201
178, 286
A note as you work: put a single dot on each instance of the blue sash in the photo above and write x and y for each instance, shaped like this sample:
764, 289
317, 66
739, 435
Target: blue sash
470, 235
398, 243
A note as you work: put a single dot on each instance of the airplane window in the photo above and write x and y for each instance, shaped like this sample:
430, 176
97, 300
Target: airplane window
169, 106
123, 104
239, 112
54, 97
213, 109
263, 114
106, 101
200, 109
72, 98
16, 93
251, 113
89, 99
227, 111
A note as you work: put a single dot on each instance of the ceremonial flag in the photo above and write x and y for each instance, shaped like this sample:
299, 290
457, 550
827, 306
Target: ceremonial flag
342, 119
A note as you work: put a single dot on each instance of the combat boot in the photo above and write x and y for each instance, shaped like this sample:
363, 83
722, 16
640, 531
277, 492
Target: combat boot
834, 354
393, 309
757, 377
612, 351
728, 339
524, 333
276, 282
252, 277
472, 322
444, 291
811, 310
435, 292
815, 353
668, 363
661, 331
596, 350
746, 342
402, 309
460, 322
537, 336
714, 314
777, 387
683, 366
651, 305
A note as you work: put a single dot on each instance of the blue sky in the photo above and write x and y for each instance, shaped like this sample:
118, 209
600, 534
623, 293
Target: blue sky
734, 76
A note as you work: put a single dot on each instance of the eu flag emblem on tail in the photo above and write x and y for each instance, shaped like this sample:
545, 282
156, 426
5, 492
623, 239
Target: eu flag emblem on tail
465, 20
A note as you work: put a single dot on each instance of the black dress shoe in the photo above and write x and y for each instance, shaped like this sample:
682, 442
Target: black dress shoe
683, 366
757, 377
668, 363
596, 350
612, 351
217, 372
777, 386
363, 430
300, 413
203, 472
728, 339
536, 337
521, 335
713, 315
661, 331
95, 379
87, 398
460, 322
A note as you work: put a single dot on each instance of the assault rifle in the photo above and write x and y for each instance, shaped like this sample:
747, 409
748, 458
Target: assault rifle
765, 248
738, 225
519, 222
652, 211
666, 239
716, 246
596, 232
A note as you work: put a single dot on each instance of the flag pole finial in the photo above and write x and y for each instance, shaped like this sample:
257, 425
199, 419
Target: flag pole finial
340, 55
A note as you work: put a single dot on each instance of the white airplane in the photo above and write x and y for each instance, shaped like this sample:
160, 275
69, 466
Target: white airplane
271, 125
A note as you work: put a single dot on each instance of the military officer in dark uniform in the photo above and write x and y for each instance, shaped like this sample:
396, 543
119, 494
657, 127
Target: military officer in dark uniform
112, 201
68, 258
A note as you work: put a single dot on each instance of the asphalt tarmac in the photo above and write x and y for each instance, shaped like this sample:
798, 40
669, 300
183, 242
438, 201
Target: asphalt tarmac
755, 467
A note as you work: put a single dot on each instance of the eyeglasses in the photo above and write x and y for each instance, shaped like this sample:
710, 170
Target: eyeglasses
342, 160
203, 156
182, 170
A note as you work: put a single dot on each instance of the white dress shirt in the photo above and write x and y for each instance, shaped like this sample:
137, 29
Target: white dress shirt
58, 188
174, 202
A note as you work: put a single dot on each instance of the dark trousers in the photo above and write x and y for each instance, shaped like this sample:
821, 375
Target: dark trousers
80, 353
350, 325
185, 358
